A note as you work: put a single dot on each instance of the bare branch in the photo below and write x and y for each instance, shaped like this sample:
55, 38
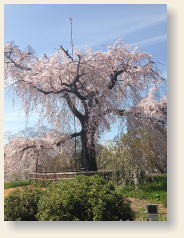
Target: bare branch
66, 52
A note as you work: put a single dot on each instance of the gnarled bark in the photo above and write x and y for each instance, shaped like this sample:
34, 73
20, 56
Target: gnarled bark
88, 159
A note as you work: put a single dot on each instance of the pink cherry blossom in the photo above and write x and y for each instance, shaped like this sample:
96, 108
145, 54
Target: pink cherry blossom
96, 87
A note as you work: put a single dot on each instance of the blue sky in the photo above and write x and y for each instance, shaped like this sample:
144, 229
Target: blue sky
46, 26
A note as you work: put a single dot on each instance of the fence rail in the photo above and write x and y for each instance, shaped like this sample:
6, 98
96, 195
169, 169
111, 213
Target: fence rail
57, 177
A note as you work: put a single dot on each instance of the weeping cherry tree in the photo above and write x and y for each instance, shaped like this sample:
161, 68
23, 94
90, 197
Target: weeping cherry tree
94, 86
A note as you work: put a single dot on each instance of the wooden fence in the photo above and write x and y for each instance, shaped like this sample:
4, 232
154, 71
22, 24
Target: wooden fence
57, 177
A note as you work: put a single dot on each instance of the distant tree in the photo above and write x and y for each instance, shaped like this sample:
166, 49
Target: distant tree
39, 156
134, 153
146, 148
95, 87
28, 132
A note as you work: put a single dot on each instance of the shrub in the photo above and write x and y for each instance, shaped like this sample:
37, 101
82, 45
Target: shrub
21, 204
83, 199
159, 179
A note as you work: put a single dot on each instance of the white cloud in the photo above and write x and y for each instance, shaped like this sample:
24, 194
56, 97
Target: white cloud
117, 29
150, 41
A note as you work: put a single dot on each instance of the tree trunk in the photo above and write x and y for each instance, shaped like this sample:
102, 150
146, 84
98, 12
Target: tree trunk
88, 158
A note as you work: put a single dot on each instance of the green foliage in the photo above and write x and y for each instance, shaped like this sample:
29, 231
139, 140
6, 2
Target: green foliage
155, 189
42, 184
141, 215
160, 181
21, 204
16, 184
84, 199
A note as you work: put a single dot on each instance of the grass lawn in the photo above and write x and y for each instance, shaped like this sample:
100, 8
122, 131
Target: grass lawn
153, 190
16, 184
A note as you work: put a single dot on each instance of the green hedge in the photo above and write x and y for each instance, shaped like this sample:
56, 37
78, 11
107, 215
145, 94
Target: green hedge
81, 199
22, 204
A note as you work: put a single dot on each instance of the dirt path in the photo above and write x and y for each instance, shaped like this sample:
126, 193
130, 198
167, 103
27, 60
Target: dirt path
8, 190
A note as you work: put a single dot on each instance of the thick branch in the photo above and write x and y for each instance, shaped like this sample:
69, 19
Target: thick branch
73, 85
27, 147
15, 64
115, 111
59, 143
73, 108
66, 52
114, 78
75, 134
55, 92
52, 92
71, 136
115, 74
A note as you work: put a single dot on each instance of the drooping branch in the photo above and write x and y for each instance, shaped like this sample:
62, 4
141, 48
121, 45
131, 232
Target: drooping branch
102, 83
75, 92
43, 91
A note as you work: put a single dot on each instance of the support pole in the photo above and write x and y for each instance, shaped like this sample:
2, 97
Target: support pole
74, 115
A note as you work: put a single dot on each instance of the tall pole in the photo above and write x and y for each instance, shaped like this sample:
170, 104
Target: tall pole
74, 102
71, 34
